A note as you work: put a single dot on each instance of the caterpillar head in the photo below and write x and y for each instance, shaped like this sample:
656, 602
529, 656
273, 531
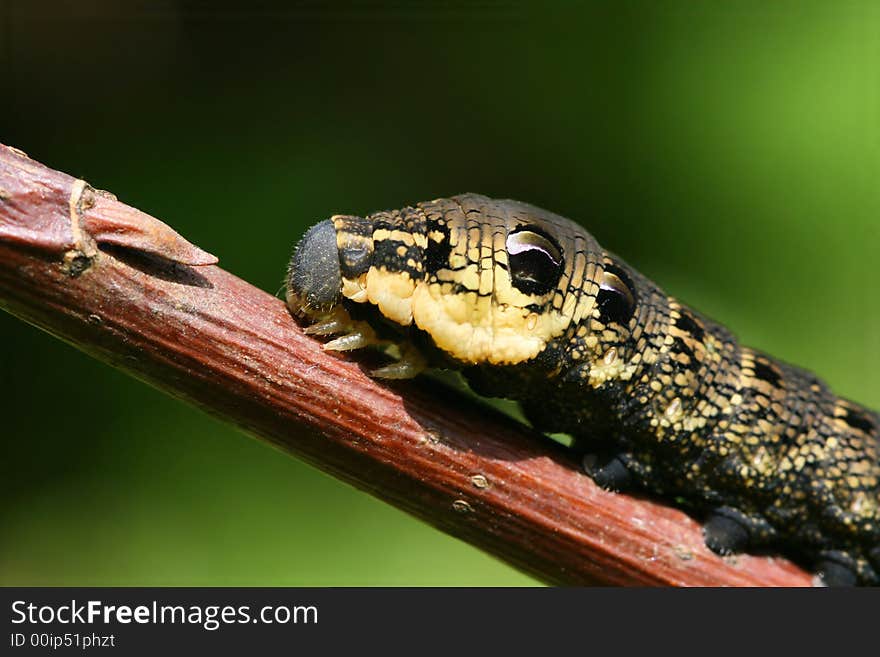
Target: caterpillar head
314, 277
488, 281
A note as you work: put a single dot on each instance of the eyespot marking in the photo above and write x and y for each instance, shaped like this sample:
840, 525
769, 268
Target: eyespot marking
616, 300
534, 260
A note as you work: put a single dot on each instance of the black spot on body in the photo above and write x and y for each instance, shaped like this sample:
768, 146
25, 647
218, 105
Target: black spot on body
355, 260
688, 324
679, 346
386, 253
766, 373
536, 308
437, 254
859, 421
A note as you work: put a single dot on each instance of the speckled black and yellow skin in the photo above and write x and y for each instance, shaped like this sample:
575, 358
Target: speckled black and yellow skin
529, 307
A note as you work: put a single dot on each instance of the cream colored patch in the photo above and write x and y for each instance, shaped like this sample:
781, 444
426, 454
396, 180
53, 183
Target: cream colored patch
355, 289
392, 293
395, 235
496, 328
457, 260
476, 329
608, 368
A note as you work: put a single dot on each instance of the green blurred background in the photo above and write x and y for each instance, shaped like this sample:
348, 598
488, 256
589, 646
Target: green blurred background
730, 151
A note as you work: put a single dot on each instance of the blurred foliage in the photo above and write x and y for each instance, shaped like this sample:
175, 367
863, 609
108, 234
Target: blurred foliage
728, 150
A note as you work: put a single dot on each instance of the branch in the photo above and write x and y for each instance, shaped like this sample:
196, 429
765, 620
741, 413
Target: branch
123, 287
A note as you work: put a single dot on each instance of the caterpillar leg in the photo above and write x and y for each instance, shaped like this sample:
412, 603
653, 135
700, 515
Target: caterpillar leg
609, 471
358, 334
353, 334
874, 558
410, 364
616, 470
728, 530
837, 569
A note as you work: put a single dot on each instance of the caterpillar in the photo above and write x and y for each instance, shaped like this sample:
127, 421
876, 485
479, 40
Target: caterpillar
529, 307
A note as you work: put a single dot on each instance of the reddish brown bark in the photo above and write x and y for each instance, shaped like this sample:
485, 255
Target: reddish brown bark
126, 289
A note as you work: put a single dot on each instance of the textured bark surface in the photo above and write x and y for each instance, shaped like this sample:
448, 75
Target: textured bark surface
123, 287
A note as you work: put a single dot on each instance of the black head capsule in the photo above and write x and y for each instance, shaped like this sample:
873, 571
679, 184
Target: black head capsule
314, 278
